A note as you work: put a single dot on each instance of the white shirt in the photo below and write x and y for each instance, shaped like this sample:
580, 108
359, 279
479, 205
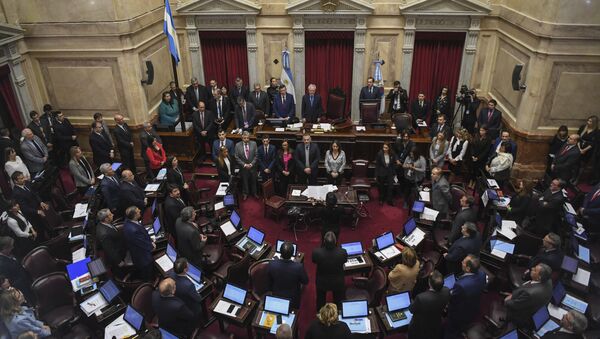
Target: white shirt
14, 226
18, 165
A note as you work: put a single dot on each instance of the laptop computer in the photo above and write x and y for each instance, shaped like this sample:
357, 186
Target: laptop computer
514, 334
278, 306
253, 241
232, 300
278, 249
109, 290
385, 246
96, 267
155, 229
355, 252
195, 275
355, 309
396, 304
449, 281
560, 296
133, 318
569, 264
580, 251
413, 235
80, 276
166, 334
228, 200
542, 322
418, 206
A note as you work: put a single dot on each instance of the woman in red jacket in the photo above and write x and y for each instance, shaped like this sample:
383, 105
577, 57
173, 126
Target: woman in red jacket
156, 154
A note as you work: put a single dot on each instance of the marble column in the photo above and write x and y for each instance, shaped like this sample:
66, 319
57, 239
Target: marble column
195, 52
407, 51
468, 59
252, 48
19, 82
358, 65
299, 62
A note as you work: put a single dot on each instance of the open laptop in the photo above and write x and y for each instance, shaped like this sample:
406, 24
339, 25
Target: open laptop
385, 246
279, 307
418, 206
229, 200
96, 267
155, 229
569, 264
232, 225
99, 303
80, 276
561, 297
134, 318
449, 281
278, 249
166, 334
355, 253
252, 242
354, 314
397, 303
580, 251
109, 290
232, 301
195, 275
514, 334
166, 261
413, 235
542, 322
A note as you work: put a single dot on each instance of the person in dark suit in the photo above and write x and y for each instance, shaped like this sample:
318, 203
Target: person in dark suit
173, 206
566, 161
48, 121
428, 309
287, 276
312, 107
331, 215
385, 171
402, 147
7, 142
204, 128
466, 214
239, 90
33, 208
284, 105
572, 326
131, 193
176, 178
272, 92
590, 209
465, 298
65, 136
550, 254
330, 260
190, 241
177, 93
420, 109
109, 186
139, 243
492, 118
369, 92
195, 93
327, 325
124, 142
102, 148
549, 209
245, 115
266, 158
530, 297
469, 243
173, 314
504, 137
440, 192
398, 98
284, 165
222, 141
38, 129
260, 100
223, 110
12, 269
245, 157
110, 239
184, 288
440, 125
307, 159
146, 133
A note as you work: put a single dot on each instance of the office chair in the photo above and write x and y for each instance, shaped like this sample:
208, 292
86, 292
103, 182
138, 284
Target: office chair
271, 201
141, 300
56, 300
40, 262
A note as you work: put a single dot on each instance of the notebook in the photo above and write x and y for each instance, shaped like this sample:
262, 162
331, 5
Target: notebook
412, 234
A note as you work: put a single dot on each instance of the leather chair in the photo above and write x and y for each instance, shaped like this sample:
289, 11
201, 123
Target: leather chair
235, 272
56, 300
213, 252
456, 192
369, 112
423, 277
78, 331
336, 106
371, 288
59, 246
128, 283
271, 201
403, 121
360, 181
259, 278
141, 300
40, 262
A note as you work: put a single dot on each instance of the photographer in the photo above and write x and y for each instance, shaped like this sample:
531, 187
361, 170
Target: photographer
398, 99
470, 103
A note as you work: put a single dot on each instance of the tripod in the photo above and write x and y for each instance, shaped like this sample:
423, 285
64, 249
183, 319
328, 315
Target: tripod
461, 109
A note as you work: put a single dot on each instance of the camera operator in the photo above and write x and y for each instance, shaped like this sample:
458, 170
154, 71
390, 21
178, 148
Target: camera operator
398, 99
470, 103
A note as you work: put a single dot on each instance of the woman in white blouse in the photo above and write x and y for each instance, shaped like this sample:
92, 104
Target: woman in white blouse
437, 150
457, 150
500, 165
14, 163
335, 160
22, 230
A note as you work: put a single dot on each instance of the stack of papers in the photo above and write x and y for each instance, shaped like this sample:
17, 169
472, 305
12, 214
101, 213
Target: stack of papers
424, 195
361, 128
414, 238
93, 304
80, 211
119, 329
421, 123
164, 263
358, 325
219, 205
318, 192
556, 311
582, 277
78, 255
507, 228
323, 126
222, 190
152, 187
492, 184
429, 214
296, 193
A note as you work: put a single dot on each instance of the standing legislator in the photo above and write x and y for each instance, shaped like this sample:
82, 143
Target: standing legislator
307, 161
283, 104
260, 100
246, 156
312, 106
204, 129
369, 92
124, 142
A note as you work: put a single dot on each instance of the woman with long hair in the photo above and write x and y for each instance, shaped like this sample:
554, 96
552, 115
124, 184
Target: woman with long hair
168, 111
225, 165
385, 170
437, 150
589, 137
14, 163
22, 231
156, 154
81, 170
457, 150
404, 275
285, 167
19, 318
480, 150
175, 177
335, 161
519, 206
414, 172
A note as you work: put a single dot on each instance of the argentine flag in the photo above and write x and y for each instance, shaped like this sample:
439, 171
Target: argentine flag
286, 73
169, 29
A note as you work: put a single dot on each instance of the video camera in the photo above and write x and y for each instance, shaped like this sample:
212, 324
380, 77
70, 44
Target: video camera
465, 95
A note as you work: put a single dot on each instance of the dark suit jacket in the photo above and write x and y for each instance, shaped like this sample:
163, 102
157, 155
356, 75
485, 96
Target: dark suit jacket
552, 258
266, 160
433, 131
101, 148
139, 244
427, 309
462, 247
189, 245
208, 126
63, 133
314, 155
173, 315
312, 112
287, 276
464, 298
401, 150
419, 112
173, 209
366, 95
217, 144
175, 177
548, 215
110, 192
317, 330
467, 214
330, 266
281, 110
381, 170
561, 335
591, 208
236, 92
186, 291
227, 107
222, 170
42, 132
565, 164
493, 123
203, 93
401, 96
124, 140
131, 195
262, 103
112, 243
29, 200
19, 278
526, 300
250, 115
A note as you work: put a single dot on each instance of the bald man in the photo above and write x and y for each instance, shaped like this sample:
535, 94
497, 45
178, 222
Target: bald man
124, 142
131, 193
566, 160
173, 315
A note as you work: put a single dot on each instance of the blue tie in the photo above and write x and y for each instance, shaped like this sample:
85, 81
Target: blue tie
311, 100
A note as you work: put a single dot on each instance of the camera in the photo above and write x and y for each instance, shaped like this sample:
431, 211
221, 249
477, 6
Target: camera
464, 90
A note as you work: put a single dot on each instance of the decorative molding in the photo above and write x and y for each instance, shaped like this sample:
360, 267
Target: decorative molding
343, 7
445, 8
442, 23
218, 7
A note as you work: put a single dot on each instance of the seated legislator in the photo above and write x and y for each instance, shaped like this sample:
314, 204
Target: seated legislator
327, 325
266, 155
335, 161
469, 243
428, 309
245, 115
312, 106
226, 164
156, 155
330, 260
20, 229
500, 163
110, 187
385, 171
189, 240
173, 314
284, 168
504, 137
245, 157
307, 158
33, 208
404, 275
284, 105
103, 150
184, 288
566, 161
466, 214
530, 297
287, 276
590, 209
173, 205
110, 239
131, 193
222, 141
168, 110
572, 326
18, 317
81, 170
550, 254
369, 92
139, 243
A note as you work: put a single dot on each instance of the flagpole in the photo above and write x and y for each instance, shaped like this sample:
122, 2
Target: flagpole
176, 79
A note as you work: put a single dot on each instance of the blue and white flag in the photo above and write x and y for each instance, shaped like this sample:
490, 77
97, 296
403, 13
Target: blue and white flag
169, 29
286, 73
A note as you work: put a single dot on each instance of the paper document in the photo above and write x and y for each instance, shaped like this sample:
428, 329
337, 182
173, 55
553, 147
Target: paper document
507, 232
429, 214
556, 312
219, 205
424, 196
502, 202
509, 223
228, 228
492, 183
390, 252
165, 263
421, 123
498, 253
94, 303
279, 129
119, 329
296, 193
414, 238
318, 192
569, 208
188, 126
152, 187
357, 325
78, 255
161, 174
80, 211
222, 190
582, 277
361, 128
223, 306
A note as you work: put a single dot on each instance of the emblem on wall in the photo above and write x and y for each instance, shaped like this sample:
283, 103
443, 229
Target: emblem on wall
329, 5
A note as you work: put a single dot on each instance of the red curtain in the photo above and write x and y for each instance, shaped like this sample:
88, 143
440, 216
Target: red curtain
329, 63
9, 96
436, 63
224, 57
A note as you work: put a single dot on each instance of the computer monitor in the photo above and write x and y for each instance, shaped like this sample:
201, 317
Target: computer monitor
355, 309
510, 335
96, 267
115, 165
278, 247
397, 301
235, 220
79, 268
156, 225
385, 240
194, 273
418, 206
569, 264
583, 253
353, 248
234, 294
255, 235
409, 226
134, 318
228, 200
277, 305
449, 281
558, 293
166, 335
171, 253
109, 290
540, 317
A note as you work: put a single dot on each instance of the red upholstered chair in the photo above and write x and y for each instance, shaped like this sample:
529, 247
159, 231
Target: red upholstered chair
403, 121
271, 201
371, 288
57, 306
235, 272
40, 262
259, 278
369, 112
336, 106
141, 300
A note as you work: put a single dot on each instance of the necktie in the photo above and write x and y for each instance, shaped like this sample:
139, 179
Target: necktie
565, 149
180, 201
596, 195
371, 90
39, 149
202, 119
219, 108
115, 180
197, 94
222, 143
244, 112
247, 151
490, 112
306, 153
283, 99
266, 150
311, 100
440, 128
257, 96
421, 104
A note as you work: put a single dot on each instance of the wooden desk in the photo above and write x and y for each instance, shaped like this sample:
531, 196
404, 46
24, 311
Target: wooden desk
375, 330
387, 327
298, 258
241, 320
363, 268
388, 262
262, 330
180, 144
258, 255
345, 195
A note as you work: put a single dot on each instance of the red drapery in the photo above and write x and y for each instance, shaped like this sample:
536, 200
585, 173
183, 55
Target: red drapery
436, 63
329, 63
224, 57
9, 96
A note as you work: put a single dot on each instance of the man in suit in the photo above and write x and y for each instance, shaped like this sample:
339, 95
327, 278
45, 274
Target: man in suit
173, 314
222, 110
48, 121
189, 240
284, 105
139, 243
184, 288
469, 243
32, 206
12, 269
590, 209
35, 152
110, 240
420, 109
549, 209
428, 309
466, 214
110, 187
6, 142
213, 87
492, 118
245, 115
440, 192
312, 107
147, 131
307, 161
572, 326
105, 130
440, 125
287, 276
566, 161
131, 193
267, 155
330, 260
550, 254
504, 137
260, 100
402, 148
204, 128
530, 297
195, 93
398, 99
124, 142
369, 92
272, 92
173, 206
65, 136
102, 149
245, 155
239, 90
39, 129
178, 94
465, 298
222, 141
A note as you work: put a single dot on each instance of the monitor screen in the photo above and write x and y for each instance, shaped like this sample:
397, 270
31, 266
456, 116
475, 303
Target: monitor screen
167, 335
418, 206
353, 248
385, 240
96, 267
77, 269
569, 264
409, 226
194, 273
277, 305
397, 301
355, 309
449, 281
278, 248
134, 318
235, 294
235, 219
256, 235
583, 253
156, 225
154, 206
510, 335
540, 317
109, 290
115, 166
228, 200
171, 253
574, 303
558, 293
